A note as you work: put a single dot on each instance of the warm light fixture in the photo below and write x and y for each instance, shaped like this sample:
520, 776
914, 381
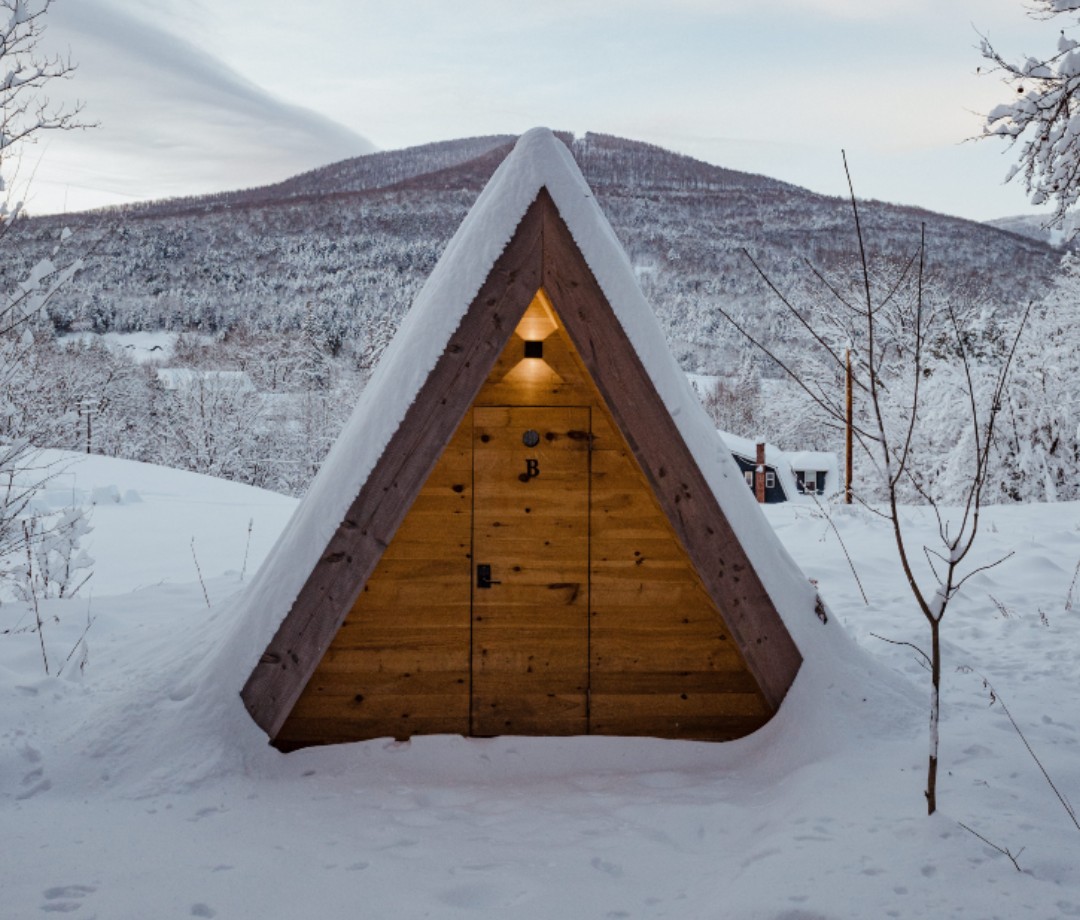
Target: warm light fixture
539, 320
536, 326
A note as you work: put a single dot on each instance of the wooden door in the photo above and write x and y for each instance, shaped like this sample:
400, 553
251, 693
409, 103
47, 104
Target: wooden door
530, 609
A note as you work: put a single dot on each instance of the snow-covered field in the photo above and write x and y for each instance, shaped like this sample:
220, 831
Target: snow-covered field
137, 787
140, 347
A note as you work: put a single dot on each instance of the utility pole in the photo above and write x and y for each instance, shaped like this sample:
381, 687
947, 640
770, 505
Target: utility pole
847, 431
86, 407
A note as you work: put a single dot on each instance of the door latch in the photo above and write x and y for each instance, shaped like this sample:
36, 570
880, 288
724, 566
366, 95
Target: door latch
483, 576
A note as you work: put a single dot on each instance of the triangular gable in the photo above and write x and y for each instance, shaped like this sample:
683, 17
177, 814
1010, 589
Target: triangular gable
535, 227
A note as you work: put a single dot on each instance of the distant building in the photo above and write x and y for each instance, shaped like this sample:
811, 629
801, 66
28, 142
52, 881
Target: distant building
186, 379
777, 475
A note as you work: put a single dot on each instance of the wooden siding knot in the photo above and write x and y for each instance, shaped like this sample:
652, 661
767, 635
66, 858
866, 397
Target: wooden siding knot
573, 586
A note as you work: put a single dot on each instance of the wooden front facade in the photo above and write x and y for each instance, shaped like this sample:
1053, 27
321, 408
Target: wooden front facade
666, 630
535, 585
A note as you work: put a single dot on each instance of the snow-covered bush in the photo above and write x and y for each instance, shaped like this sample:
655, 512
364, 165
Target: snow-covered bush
39, 554
54, 564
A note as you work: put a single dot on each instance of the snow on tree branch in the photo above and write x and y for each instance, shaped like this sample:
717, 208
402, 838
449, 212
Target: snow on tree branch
25, 109
1044, 114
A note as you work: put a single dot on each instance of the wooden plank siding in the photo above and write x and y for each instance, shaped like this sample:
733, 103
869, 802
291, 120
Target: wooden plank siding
662, 662
530, 638
375, 514
594, 627
684, 497
399, 664
626, 605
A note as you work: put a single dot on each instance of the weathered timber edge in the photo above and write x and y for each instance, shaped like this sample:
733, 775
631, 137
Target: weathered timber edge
375, 514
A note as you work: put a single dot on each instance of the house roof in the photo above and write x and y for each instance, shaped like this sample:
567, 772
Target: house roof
786, 462
188, 378
538, 183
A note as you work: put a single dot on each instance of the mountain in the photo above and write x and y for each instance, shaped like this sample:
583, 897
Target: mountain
351, 243
1035, 227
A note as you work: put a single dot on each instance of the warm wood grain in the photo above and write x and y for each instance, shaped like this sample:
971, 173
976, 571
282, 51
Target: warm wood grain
278, 679
619, 610
667, 464
399, 663
530, 653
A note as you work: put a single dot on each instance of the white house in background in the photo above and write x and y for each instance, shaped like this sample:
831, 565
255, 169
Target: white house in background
176, 379
789, 475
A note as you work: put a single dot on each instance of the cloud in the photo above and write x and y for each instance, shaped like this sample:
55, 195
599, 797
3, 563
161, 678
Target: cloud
148, 89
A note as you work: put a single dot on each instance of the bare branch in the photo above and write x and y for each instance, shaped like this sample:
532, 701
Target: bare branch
983, 568
834, 412
905, 451
911, 645
791, 309
1003, 850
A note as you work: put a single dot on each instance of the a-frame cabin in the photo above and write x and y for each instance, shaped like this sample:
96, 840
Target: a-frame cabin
529, 526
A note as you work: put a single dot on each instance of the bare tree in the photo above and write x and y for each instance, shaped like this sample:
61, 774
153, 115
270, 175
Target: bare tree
1044, 109
26, 113
892, 330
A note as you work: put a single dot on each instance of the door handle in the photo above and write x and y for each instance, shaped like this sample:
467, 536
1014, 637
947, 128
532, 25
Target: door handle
483, 576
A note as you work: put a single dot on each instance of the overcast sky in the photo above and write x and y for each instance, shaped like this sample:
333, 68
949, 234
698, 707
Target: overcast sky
193, 96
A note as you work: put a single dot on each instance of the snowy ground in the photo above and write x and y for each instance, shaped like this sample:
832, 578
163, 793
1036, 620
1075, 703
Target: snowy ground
140, 347
136, 787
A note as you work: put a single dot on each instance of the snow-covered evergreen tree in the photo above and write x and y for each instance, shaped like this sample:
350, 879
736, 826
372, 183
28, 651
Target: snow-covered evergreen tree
1038, 453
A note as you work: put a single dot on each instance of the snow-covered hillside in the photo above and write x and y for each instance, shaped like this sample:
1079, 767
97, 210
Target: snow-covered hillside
133, 784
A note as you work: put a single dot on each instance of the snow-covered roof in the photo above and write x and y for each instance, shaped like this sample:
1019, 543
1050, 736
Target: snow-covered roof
539, 161
787, 462
185, 378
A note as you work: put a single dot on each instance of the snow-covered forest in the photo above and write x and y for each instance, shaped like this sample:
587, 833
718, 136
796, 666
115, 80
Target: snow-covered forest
174, 373
277, 303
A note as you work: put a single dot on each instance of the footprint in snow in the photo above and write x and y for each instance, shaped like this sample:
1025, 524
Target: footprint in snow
472, 897
36, 783
206, 813
64, 899
612, 869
